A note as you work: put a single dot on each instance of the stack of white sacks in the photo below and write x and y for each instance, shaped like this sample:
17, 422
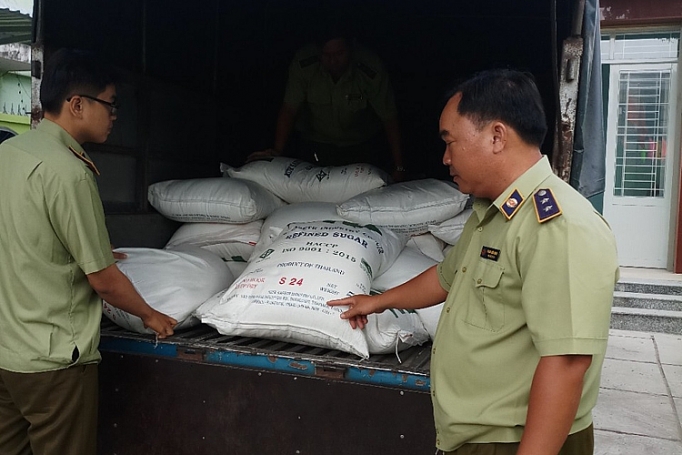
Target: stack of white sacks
293, 236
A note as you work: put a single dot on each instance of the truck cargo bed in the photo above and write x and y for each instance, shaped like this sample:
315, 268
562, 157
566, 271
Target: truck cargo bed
408, 369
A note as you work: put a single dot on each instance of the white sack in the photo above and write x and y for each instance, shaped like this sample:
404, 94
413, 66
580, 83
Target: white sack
394, 330
301, 212
408, 265
447, 249
450, 230
429, 317
298, 181
232, 242
407, 207
283, 293
174, 282
236, 267
428, 245
212, 200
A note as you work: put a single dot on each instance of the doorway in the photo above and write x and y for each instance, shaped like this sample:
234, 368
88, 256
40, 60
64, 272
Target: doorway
641, 140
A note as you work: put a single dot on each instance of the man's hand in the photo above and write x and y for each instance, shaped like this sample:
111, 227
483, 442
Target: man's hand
399, 175
359, 306
118, 256
422, 291
263, 154
160, 323
117, 290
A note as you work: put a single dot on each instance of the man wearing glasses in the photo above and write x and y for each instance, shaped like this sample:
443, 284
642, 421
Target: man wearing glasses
54, 251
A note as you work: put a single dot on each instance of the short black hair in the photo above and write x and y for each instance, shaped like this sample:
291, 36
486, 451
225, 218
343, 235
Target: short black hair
70, 72
507, 95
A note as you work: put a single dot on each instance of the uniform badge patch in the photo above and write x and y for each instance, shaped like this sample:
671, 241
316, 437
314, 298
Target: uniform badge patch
367, 70
84, 159
512, 204
546, 206
490, 253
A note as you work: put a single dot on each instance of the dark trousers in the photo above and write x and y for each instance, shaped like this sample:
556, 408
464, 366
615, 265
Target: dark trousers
50, 413
579, 443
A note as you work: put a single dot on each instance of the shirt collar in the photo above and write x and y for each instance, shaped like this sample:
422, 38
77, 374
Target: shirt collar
347, 75
53, 129
515, 195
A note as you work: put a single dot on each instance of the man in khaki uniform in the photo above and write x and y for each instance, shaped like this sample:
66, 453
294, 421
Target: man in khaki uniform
57, 265
339, 99
528, 288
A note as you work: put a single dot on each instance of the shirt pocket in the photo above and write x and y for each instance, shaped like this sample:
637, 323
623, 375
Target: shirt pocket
485, 308
355, 101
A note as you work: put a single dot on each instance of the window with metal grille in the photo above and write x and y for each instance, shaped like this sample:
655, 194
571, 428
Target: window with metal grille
640, 46
641, 138
644, 92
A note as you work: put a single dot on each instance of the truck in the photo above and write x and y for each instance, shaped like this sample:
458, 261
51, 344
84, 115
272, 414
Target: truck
202, 85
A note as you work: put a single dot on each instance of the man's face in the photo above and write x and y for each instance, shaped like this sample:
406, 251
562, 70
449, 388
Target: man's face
468, 150
98, 116
335, 56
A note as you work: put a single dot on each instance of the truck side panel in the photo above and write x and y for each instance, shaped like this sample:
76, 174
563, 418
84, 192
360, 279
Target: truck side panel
156, 405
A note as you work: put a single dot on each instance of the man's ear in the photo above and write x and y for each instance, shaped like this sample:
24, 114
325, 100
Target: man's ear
500, 134
75, 106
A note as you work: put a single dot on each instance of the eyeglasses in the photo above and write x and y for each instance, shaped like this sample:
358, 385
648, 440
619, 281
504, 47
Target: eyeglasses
112, 106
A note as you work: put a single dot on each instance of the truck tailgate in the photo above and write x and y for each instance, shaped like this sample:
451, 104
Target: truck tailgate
203, 393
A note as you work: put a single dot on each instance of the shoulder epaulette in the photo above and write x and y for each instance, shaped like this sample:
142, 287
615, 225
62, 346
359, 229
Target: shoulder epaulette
367, 70
512, 204
83, 158
546, 205
304, 63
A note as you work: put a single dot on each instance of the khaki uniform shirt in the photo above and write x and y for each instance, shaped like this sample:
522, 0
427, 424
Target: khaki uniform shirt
53, 234
532, 275
348, 112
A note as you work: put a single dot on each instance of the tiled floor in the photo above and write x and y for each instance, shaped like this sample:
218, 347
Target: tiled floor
640, 400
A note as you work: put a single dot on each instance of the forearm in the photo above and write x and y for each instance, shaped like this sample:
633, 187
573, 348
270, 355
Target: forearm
422, 291
554, 398
283, 128
117, 290
392, 131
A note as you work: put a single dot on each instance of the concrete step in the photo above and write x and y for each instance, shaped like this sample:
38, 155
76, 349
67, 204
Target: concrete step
646, 320
647, 303
667, 302
650, 287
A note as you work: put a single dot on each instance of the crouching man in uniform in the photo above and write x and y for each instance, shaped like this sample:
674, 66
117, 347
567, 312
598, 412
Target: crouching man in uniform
340, 105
